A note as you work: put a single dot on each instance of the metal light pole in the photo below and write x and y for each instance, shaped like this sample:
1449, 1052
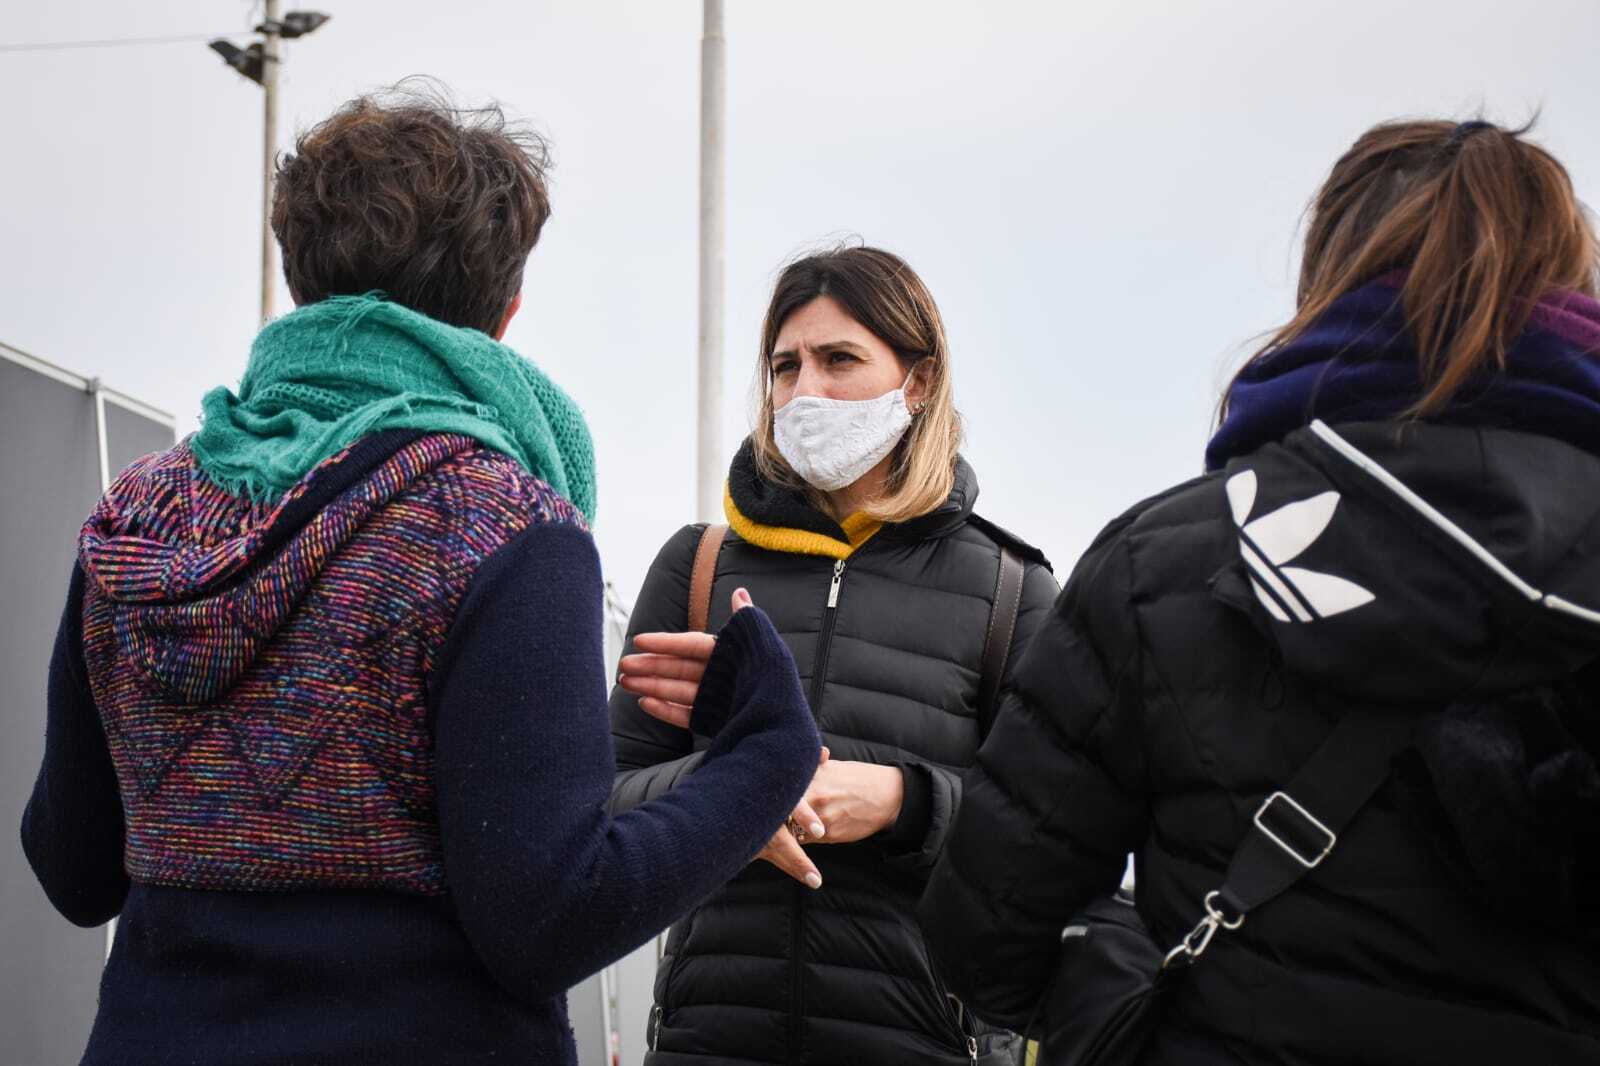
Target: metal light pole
260, 63
270, 39
713, 241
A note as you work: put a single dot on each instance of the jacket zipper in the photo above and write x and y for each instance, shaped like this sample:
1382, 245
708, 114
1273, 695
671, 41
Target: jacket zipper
819, 666
819, 672
970, 1041
655, 1027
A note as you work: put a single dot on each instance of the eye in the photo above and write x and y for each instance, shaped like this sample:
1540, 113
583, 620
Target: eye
784, 366
839, 358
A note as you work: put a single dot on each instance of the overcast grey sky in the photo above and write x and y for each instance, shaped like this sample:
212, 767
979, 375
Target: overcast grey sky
1103, 197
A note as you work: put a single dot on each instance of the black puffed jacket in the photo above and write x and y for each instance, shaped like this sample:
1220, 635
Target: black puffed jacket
767, 970
1202, 651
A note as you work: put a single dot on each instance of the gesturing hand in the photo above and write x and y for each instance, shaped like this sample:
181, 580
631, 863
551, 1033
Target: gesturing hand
666, 668
784, 850
846, 801
665, 672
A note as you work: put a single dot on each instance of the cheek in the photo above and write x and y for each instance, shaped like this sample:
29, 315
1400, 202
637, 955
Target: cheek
867, 382
782, 391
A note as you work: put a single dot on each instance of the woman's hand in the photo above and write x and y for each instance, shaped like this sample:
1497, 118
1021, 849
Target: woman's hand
846, 801
784, 850
855, 799
666, 668
665, 672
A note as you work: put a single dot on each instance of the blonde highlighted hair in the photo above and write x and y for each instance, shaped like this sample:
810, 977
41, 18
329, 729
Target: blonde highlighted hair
878, 290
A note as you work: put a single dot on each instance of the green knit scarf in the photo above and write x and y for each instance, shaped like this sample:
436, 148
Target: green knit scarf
331, 372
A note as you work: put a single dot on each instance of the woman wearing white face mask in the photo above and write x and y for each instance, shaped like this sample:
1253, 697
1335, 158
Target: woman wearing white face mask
850, 519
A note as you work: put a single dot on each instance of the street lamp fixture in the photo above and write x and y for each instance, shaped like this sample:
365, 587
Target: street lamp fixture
247, 61
259, 62
296, 24
251, 61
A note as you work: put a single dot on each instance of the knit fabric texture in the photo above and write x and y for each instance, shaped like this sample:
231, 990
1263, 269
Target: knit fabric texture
782, 520
544, 885
331, 372
261, 673
859, 528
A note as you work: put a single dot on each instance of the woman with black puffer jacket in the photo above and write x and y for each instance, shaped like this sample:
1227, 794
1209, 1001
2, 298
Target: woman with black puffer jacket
1395, 551
852, 523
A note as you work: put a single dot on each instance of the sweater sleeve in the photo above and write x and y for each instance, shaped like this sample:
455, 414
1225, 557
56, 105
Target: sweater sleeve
933, 792
72, 829
548, 885
652, 756
1053, 805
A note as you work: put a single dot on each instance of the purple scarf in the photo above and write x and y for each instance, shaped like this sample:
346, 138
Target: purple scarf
1358, 364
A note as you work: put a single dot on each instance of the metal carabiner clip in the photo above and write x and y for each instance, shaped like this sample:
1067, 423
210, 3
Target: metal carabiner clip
1194, 945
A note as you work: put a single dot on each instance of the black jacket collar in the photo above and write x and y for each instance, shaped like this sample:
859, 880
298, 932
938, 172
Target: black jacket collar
772, 505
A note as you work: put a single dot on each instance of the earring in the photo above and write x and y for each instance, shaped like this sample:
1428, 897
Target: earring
918, 407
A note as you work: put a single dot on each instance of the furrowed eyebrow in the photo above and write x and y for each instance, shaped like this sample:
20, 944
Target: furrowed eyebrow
822, 349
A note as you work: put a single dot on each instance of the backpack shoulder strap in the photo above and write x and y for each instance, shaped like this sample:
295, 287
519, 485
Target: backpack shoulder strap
997, 641
703, 576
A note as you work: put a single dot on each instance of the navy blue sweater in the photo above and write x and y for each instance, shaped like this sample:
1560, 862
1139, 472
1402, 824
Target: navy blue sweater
545, 887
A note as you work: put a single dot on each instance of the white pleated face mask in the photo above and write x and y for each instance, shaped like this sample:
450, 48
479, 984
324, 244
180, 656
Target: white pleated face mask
831, 443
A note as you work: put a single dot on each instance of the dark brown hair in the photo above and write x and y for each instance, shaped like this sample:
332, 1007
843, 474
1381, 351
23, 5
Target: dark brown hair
404, 192
878, 290
1482, 221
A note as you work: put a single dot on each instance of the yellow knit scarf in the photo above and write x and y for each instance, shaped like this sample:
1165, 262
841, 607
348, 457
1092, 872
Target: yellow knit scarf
858, 527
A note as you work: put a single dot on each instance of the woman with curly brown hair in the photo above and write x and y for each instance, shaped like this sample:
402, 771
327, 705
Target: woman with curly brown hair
326, 720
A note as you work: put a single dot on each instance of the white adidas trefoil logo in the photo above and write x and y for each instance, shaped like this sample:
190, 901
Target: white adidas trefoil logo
1277, 538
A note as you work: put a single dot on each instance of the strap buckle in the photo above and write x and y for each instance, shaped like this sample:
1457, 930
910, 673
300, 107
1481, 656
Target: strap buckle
1309, 820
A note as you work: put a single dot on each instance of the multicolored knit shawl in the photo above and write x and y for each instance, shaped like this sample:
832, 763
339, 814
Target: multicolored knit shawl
1358, 363
331, 372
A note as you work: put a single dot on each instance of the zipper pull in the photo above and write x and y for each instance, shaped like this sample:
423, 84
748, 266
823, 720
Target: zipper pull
833, 589
655, 1027
972, 1048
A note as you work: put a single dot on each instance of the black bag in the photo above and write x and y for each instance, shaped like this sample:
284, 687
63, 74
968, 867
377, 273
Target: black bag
1114, 980
1103, 1002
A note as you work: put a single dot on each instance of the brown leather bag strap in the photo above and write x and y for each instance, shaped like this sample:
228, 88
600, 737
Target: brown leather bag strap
703, 576
997, 642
